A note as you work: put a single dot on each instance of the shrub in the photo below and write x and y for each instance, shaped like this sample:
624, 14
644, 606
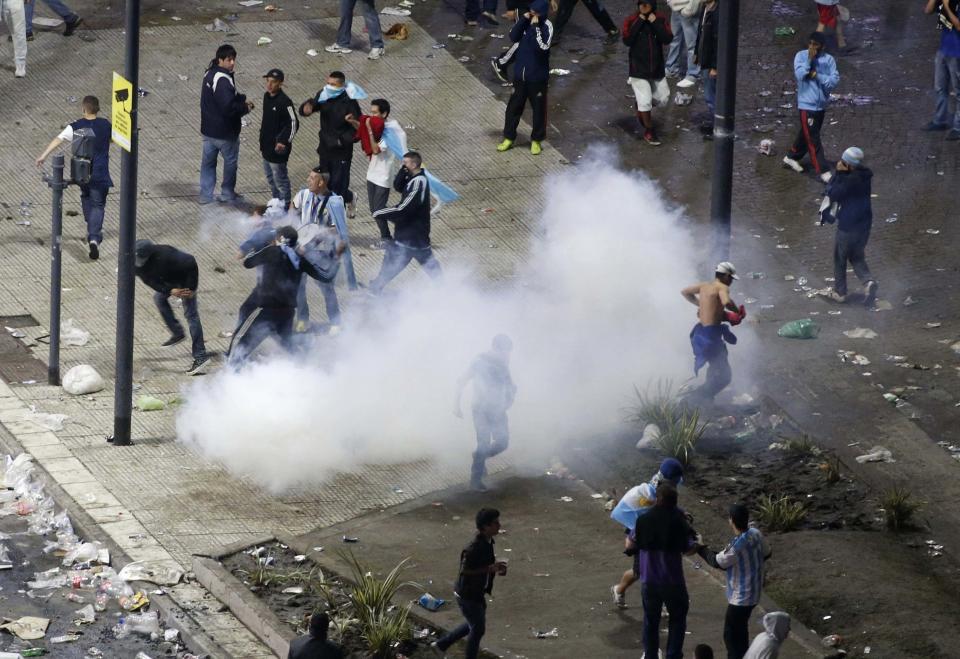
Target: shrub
898, 507
679, 436
380, 624
780, 513
655, 404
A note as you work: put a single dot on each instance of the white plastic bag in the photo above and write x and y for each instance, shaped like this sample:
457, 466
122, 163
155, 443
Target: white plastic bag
144, 623
81, 554
163, 573
82, 379
72, 335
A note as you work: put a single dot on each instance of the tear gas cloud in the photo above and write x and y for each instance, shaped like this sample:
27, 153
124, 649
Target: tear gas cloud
593, 310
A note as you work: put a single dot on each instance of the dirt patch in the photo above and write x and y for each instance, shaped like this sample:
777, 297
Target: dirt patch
293, 586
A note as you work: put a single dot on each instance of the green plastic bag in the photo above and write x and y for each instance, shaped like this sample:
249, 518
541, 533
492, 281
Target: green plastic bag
799, 329
149, 403
784, 31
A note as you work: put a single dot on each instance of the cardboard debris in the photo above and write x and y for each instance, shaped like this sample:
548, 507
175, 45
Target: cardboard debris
28, 628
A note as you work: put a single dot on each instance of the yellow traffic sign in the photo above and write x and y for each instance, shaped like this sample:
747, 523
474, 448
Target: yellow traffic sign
123, 100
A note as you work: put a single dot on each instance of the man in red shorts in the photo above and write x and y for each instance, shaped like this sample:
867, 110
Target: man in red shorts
828, 12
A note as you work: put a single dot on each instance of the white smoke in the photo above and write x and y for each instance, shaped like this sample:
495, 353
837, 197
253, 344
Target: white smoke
595, 310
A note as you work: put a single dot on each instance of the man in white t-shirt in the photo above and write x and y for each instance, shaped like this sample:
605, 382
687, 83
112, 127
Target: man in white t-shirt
384, 165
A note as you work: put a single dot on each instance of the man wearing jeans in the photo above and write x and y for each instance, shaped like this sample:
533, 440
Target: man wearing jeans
493, 394
478, 567
947, 63
93, 193
70, 18
277, 130
221, 108
170, 272
661, 537
684, 23
411, 218
344, 34
705, 56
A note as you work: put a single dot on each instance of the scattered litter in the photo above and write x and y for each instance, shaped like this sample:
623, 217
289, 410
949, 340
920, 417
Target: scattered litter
182, 78
597, 495
784, 31
726, 422
147, 403
783, 246
250, 3
876, 454
743, 399
312, 52
398, 32
82, 379
909, 301
882, 305
651, 433
293, 590
300, 558
28, 628
85, 615
834, 312
559, 72
553, 633
263, 41
160, 572
766, 147
566, 499
860, 333
65, 638
756, 275
788, 278
933, 232
437, 46
891, 219
827, 617
932, 325
52, 422
350, 540
217, 26
682, 99
72, 335
395, 11
851, 99
430, 603
799, 329
463, 59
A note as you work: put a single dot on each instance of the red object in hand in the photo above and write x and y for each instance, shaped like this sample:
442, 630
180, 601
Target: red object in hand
736, 317
370, 132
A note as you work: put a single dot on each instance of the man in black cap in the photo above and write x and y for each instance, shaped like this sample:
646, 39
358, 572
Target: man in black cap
170, 272
277, 129
275, 297
315, 644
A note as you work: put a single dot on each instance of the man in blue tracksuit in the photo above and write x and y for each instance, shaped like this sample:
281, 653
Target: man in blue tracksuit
849, 190
817, 75
93, 194
531, 70
221, 109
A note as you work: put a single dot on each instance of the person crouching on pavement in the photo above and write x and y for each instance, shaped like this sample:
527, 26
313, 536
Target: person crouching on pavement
646, 33
710, 336
849, 191
531, 72
766, 644
172, 273
478, 567
493, 394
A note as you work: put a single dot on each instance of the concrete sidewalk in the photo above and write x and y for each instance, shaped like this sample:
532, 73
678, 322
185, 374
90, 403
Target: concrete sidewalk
563, 557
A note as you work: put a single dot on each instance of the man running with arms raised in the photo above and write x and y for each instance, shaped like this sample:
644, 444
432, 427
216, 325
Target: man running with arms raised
708, 336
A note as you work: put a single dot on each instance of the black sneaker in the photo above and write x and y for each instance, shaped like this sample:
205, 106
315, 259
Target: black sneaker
72, 26
198, 365
934, 126
173, 340
94, 250
498, 69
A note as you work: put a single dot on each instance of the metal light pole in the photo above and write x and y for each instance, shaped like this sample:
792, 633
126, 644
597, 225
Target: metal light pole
723, 131
123, 387
57, 185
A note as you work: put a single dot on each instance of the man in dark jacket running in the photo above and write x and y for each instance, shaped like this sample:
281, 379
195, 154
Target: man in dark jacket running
277, 130
333, 104
849, 189
275, 296
411, 218
172, 273
221, 108
531, 70
646, 33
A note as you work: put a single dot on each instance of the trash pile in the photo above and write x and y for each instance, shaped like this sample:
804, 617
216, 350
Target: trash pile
84, 577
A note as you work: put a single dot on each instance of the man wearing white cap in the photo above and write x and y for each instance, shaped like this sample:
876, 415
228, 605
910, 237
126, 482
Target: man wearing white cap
849, 192
710, 336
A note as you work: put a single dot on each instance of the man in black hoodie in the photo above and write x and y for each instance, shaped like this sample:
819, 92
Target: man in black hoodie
333, 103
277, 130
646, 33
849, 194
275, 297
411, 218
170, 272
221, 108
705, 56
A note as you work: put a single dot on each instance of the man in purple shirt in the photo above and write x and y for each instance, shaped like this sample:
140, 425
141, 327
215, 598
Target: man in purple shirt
661, 537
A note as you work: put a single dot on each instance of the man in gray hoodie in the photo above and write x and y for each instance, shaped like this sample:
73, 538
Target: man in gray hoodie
767, 644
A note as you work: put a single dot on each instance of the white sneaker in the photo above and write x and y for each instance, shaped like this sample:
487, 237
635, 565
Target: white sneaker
376, 53
406, 3
337, 49
619, 599
659, 654
826, 176
689, 81
792, 164
21, 71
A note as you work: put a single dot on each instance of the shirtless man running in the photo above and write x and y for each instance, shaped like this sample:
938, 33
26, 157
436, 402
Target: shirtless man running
709, 336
